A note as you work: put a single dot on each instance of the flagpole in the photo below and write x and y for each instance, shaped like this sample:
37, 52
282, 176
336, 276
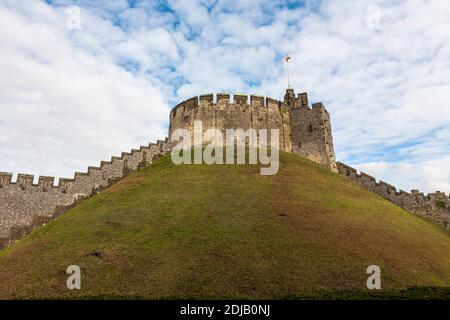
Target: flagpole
288, 71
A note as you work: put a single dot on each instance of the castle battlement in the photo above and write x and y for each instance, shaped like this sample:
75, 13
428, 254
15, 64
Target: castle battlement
226, 99
303, 130
24, 204
433, 206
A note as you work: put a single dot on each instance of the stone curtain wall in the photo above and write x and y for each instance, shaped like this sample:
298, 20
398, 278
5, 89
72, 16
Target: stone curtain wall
433, 206
24, 205
303, 131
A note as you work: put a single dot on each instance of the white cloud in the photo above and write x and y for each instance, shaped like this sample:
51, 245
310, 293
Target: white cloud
387, 89
63, 107
429, 175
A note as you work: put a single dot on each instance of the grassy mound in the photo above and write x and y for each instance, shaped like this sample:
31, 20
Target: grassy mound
224, 231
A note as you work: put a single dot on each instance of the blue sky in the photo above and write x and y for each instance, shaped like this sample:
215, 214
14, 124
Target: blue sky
70, 98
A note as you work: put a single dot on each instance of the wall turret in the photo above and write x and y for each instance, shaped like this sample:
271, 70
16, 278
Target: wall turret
289, 98
311, 131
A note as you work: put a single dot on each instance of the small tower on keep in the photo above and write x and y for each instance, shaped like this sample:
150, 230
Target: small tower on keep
310, 130
289, 97
311, 135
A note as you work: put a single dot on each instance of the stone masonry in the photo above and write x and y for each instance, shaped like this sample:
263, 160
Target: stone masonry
24, 205
433, 206
303, 130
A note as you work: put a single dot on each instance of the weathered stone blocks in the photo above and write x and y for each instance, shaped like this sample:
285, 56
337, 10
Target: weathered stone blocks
24, 205
303, 131
434, 206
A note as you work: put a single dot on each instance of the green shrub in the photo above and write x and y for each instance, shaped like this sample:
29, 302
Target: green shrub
440, 204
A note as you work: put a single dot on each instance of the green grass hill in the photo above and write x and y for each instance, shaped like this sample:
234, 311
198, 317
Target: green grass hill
225, 231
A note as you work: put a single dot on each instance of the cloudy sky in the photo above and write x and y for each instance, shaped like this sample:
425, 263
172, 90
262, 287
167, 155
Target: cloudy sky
75, 91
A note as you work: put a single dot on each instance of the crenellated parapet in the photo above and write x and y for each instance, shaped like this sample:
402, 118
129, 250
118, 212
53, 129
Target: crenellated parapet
226, 99
24, 205
239, 111
433, 206
303, 130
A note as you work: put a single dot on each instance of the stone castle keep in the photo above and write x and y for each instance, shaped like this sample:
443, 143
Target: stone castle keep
304, 131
